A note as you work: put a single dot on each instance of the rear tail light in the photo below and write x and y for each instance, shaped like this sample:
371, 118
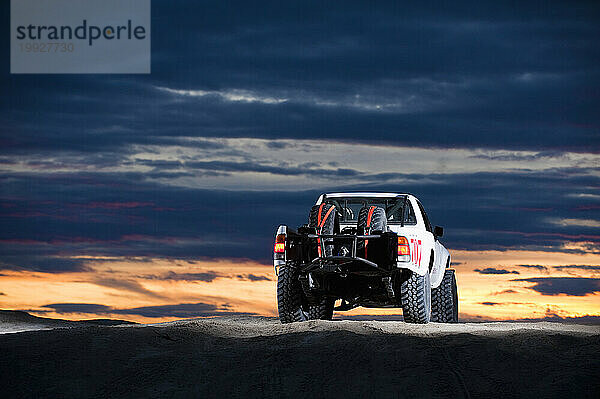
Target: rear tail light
279, 249
403, 249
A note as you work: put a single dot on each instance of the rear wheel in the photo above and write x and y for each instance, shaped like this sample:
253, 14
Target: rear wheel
293, 305
290, 296
415, 293
444, 300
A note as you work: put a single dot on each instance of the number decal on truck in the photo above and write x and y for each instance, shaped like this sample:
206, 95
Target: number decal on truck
416, 252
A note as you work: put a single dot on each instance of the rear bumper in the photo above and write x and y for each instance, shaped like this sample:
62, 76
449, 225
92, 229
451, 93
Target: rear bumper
344, 265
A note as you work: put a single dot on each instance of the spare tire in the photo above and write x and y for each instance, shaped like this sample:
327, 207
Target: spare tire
370, 218
325, 220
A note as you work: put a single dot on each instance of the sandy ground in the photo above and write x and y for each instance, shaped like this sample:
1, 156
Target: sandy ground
258, 357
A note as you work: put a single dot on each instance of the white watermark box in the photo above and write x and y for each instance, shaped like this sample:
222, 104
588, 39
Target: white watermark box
80, 36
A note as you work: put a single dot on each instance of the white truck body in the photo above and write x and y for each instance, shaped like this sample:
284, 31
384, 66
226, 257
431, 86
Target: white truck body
423, 243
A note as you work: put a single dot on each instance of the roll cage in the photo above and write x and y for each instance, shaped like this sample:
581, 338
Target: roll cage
399, 210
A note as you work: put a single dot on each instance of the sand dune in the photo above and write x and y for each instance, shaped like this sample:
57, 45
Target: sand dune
12, 321
258, 357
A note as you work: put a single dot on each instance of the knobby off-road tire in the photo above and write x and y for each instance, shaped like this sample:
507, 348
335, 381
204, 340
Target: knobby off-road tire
291, 302
322, 310
327, 226
289, 295
415, 294
444, 300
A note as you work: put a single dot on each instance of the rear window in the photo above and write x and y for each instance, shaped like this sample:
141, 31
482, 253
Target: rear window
396, 209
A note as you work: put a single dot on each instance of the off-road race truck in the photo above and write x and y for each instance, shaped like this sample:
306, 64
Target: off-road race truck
364, 249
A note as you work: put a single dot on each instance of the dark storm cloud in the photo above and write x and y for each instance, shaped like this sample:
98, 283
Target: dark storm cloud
49, 263
540, 268
159, 164
485, 76
47, 218
184, 310
509, 291
593, 268
252, 277
125, 285
493, 270
78, 308
506, 303
575, 286
206, 277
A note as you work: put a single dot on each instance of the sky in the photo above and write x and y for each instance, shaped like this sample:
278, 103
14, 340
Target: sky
156, 197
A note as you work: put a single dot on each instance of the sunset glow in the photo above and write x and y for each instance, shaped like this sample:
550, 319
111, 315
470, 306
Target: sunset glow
142, 289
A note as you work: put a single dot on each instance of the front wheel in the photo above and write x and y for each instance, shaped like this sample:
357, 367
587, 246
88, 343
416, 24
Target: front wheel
415, 293
322, 309
444, 300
